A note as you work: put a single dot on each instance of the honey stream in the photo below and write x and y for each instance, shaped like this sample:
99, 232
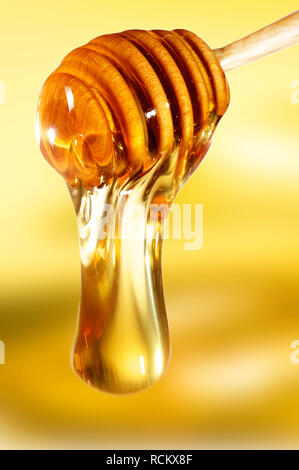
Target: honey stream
126, 119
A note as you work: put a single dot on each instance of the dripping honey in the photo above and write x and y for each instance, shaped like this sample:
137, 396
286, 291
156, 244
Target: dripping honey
125, 120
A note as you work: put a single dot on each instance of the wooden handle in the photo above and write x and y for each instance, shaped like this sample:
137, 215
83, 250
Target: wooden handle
271, 38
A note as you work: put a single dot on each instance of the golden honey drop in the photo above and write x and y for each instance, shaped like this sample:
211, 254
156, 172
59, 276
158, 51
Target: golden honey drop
126, 119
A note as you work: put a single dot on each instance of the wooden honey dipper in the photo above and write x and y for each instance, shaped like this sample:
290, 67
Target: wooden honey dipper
125, 120
123, 101
272, 38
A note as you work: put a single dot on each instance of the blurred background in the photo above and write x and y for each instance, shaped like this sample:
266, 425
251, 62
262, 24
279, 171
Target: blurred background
233, 306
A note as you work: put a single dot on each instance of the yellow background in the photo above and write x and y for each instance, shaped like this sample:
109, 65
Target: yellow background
233, 306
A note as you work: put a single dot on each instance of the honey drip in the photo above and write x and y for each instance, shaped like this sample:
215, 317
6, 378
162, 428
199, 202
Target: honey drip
126, 119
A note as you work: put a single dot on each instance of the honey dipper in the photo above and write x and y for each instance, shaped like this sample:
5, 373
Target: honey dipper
126, 119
